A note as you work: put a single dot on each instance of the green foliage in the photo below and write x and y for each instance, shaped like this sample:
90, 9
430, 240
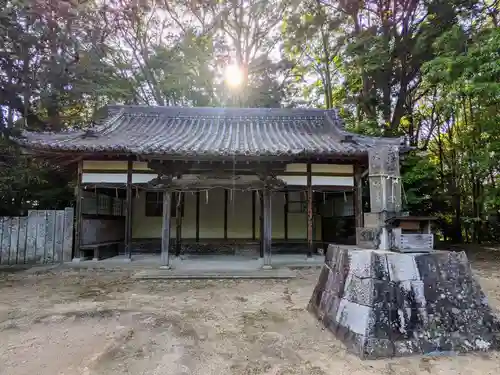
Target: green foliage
26, 184
428, 70
421, 183
62, 60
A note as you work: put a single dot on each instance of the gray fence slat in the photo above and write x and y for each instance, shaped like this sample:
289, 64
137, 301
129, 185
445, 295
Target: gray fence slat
1, 231
31, 230
5, 245
59, 237
50, 227
40, 236
21, 243
14, 237
69, 219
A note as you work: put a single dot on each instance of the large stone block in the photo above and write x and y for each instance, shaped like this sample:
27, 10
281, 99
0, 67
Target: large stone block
385, 194
315, 301
368, 264
378, 196
377, 219
384, 161
393, 194
443, 265
369, 238
402, 267
382, 304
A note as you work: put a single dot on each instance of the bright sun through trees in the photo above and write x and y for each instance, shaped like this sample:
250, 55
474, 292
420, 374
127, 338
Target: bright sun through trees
233, 75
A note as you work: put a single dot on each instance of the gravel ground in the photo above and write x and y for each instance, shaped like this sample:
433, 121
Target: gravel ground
103, 322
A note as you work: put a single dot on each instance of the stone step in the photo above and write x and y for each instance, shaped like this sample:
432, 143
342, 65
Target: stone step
281, 273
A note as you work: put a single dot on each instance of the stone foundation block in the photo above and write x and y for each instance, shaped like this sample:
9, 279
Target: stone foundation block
368, 238
377, 219
382, 304
402, 267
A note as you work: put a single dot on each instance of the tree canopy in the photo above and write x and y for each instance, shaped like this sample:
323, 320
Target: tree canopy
427, 70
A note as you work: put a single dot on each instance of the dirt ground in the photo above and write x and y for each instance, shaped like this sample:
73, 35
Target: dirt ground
103, 322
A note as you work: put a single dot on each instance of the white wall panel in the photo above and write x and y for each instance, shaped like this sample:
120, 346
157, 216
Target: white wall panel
319, 180
116, 178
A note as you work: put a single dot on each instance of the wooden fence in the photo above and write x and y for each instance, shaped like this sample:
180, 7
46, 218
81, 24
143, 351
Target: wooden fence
39, 237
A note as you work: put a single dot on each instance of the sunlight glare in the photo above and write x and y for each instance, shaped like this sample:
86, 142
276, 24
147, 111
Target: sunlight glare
233, 75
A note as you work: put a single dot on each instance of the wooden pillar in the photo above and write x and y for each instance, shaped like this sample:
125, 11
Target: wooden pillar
110, 208
165, 230
78, 211
266, 198
261, 223
285, 215
253, 214
310, 216
128, 212
178, 224
197, 216
96, 201
226, 196
358, 196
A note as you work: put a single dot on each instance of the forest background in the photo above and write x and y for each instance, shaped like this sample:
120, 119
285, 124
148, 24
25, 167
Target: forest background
428, 70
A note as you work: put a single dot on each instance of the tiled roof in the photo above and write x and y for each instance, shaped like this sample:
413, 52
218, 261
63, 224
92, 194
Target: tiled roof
177, 131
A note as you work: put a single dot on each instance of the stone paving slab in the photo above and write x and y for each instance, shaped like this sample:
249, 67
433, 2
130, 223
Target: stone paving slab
151, 274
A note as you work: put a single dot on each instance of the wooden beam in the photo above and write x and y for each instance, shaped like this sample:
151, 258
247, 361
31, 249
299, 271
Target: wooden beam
358, 196
204, 184
128, 212
310, 217
168, 167
360, 157
165, 230
110, 202
197, 216
253, 214
285, 215
78, 212
317, 174
96, 201
226, 196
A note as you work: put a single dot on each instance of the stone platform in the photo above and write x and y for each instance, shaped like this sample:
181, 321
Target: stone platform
384, 304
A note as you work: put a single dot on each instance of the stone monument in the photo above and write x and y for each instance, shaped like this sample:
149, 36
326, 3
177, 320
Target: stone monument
383, 303
385, 197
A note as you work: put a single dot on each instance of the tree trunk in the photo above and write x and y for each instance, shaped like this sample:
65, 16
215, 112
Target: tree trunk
455, 192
